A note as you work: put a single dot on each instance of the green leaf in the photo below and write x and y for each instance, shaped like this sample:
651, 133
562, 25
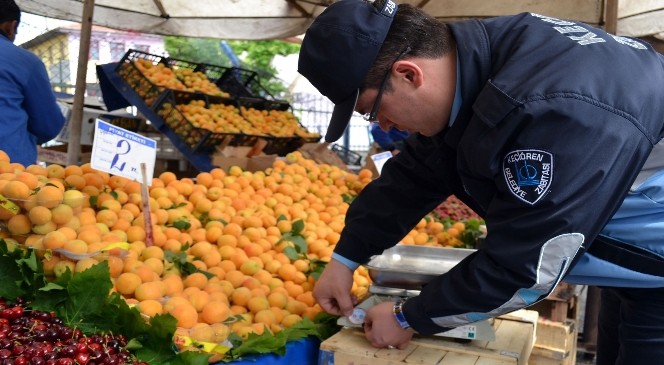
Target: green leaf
348, 198
121, 318
326, 325
291, 253
181, 262
191, 358
157, 343
182, 225
300, 244
21, 272
49, 297
11, 279
87, 291
261, 344
316, 268
298, 227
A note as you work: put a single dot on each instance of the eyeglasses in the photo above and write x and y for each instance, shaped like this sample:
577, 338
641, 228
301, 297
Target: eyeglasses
371, 117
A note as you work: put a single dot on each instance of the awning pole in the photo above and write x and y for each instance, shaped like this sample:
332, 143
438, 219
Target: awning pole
76, 120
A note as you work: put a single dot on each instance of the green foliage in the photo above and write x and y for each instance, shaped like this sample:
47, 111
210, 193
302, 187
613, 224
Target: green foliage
256, 56
299, 248
181, 262
21, 272
472, 232
197, 50
259, 56
82, 301
322, 327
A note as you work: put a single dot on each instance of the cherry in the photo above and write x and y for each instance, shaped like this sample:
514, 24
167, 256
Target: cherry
82, 358
37, 360
81, 347
5, 354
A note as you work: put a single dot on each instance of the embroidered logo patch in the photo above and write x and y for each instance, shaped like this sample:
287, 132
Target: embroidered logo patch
528, 174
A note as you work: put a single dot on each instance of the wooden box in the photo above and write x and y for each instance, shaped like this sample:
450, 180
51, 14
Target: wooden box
560, 305
556, 343
515, 337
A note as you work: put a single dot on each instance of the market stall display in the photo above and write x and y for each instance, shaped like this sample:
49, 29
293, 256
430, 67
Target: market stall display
207, 107
235, 252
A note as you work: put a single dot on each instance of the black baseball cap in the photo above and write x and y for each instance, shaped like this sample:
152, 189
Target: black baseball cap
338, 50
9, 11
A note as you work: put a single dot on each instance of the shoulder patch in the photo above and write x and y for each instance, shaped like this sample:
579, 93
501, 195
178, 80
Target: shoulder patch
528, 174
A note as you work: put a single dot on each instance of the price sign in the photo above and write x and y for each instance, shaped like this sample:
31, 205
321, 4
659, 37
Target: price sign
121, 152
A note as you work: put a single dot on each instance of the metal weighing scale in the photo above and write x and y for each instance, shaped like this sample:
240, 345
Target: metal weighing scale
400, 272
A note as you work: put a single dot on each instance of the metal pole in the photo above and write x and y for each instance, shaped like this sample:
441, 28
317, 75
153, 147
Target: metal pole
74, 149
591, 318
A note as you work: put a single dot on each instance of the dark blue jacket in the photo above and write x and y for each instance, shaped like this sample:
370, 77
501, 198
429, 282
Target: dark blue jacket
556, 123
390, 140
29, 114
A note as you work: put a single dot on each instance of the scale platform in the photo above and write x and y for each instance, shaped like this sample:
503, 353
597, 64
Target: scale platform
482, 330
401, 271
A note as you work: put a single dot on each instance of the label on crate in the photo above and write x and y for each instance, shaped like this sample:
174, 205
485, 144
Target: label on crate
121, 152
468, 331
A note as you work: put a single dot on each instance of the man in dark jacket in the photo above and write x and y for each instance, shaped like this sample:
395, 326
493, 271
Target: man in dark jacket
29, 114
549, 129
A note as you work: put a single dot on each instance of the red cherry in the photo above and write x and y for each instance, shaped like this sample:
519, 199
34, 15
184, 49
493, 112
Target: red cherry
82, 358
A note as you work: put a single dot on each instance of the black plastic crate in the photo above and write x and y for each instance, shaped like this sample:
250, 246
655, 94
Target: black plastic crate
208, 72
263, 104
237, 82
178, 63
137, 80
132, 55
128, 71
199, 140
349, 157
213, 72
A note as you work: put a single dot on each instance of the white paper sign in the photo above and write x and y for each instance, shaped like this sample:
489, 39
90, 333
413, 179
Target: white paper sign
379, 160
121, 152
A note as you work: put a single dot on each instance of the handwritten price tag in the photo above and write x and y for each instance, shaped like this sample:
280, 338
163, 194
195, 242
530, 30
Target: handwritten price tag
121, 152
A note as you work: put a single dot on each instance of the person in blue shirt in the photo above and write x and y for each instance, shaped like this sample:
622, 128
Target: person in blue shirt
391, 140
550, 129
29, 113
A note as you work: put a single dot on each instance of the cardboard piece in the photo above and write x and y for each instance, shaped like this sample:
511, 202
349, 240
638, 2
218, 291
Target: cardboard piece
118, 118
321, 153
253, 164
57, 154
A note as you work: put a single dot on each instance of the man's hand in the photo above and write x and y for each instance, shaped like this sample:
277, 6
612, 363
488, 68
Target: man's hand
383, 330
332, 290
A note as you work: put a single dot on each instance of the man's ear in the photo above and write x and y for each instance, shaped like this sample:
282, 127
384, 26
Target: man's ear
9, 28
410, 71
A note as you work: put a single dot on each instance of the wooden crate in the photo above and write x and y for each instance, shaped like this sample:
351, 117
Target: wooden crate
556, 343
515, 337
560, 305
